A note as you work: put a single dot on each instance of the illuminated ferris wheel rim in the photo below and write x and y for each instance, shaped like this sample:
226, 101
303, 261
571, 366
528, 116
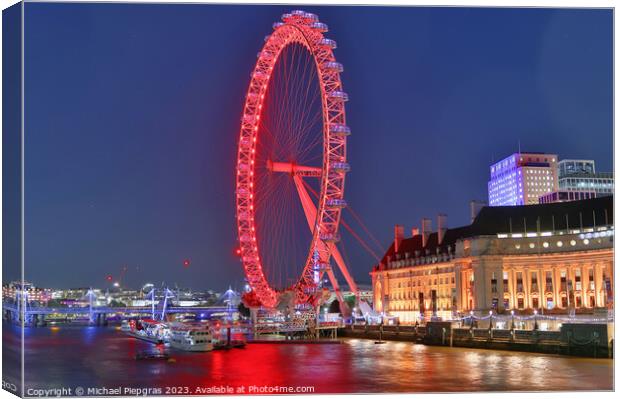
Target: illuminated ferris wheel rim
304, 29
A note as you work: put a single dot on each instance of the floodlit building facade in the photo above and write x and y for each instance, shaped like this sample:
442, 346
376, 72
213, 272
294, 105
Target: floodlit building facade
522, 178
549, 257
10, 292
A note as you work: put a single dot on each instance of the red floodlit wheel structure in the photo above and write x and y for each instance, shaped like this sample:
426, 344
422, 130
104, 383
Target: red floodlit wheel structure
293, 134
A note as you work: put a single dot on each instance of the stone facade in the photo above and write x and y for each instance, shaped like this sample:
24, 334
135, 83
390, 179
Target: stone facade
556, 271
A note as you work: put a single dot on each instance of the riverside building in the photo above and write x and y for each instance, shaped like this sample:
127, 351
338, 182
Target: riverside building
551, 258
522, 178
577, 175
12, 290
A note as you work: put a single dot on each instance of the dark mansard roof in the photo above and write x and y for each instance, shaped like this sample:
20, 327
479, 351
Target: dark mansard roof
493, 220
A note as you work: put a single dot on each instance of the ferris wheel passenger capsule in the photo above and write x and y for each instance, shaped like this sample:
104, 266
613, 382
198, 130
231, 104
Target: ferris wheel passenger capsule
339, 129
276, 25
312, 17
328, 43
333, 65
299, 13
339, 95
264, 54
243, 192
336, 203
322, 266
320, 26
253, 95
341, 167
249, 118
286, 16
330, 237
259, 75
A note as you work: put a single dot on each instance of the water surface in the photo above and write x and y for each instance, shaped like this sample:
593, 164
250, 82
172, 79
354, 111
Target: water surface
105, 357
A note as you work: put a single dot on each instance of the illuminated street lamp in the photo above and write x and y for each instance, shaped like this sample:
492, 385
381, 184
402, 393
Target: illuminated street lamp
512, 322
490, 320
535, 320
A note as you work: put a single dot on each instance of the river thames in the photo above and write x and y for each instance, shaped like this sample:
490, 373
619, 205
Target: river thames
104, 359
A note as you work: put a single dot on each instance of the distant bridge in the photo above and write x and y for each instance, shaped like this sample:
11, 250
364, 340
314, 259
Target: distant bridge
98, 314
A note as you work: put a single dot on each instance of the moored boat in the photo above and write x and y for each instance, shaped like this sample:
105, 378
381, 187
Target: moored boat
148, 330
192, 337
125, 326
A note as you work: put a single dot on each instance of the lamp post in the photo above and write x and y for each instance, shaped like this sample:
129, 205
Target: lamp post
490, 320
471, 319
535, 320
512, 320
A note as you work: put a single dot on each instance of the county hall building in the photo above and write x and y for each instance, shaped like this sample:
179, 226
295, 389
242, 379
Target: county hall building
553, 258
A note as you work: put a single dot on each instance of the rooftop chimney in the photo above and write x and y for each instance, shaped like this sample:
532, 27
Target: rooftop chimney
442, 226
427, 229
474, 208
415, 231
399, 234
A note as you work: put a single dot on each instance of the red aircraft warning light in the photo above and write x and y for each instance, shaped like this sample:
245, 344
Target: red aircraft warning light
186, 263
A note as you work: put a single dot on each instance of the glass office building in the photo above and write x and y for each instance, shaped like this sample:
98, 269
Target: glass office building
581, 175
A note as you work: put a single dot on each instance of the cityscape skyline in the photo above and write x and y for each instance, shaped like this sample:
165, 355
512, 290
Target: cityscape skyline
152, 183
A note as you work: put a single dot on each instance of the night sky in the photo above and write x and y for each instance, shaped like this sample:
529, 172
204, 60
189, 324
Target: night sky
133, 111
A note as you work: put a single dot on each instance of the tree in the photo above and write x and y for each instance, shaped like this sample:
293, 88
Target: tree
334, 307
55, 303
350, 300
243, 310
115, 303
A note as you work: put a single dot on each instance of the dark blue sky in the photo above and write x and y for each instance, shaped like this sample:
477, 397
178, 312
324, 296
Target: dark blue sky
132, 117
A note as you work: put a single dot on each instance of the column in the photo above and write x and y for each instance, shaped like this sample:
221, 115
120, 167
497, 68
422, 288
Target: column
598, 278
587, 281
604, 272
554, 285
558, 285
527, 287
542, 299
480, 286
609, 271
570, 277
499, 273
584, 286
513, 291
458, 284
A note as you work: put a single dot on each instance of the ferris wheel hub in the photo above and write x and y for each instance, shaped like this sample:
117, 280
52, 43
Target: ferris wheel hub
294, 169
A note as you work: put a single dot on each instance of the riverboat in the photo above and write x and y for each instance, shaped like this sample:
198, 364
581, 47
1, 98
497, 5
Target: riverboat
148, 330
192, 337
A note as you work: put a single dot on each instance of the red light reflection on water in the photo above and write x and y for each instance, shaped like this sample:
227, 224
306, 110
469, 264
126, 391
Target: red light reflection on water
94, 356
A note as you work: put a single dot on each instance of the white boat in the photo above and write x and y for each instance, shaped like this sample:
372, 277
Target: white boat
125, 326
193, 337
148, 330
